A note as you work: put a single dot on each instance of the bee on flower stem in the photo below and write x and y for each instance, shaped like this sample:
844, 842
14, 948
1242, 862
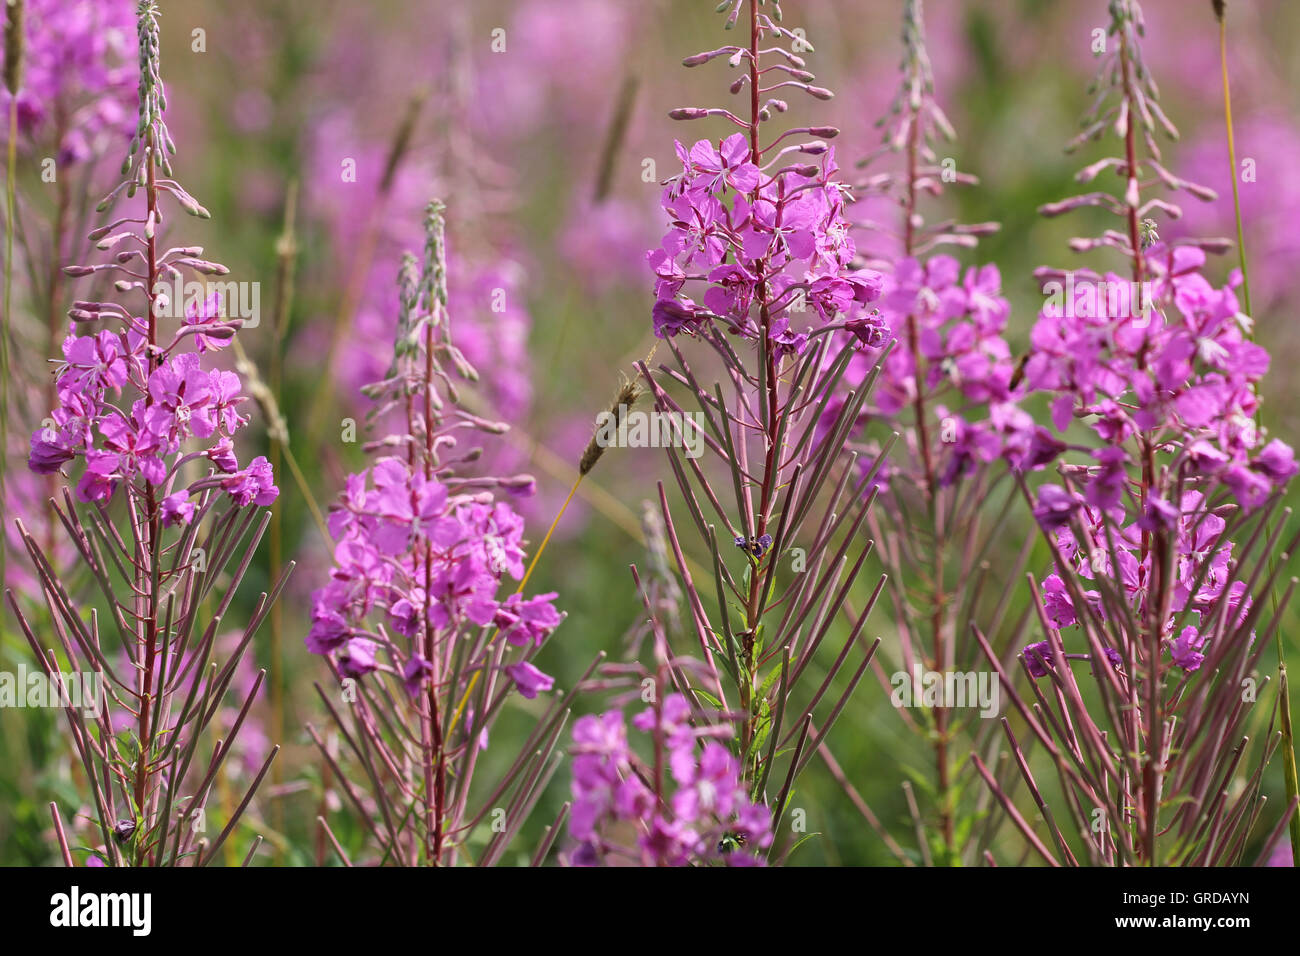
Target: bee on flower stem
755, 547
1147, 233
731, 842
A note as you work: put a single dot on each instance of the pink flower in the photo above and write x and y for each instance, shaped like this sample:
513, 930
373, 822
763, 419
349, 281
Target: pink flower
177, 509
254, 485
415, 673
529, 679
528, 621
208, 314
1186, 649
680, 829
357, 657
729, 165
1055, 506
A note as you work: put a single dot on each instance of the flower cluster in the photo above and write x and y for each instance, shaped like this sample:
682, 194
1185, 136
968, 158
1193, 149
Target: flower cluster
947, 383
944, 388
420, 551
708, 817
1202, 587
950, 352
1169, 360
404, 544
180, 404
756, 223
776, 242
135, 408
959, 330
1166, 366
79, 75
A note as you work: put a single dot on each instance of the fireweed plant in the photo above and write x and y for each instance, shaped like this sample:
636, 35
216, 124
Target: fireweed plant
946, 388
69, 97
161, 520
427, 653
1142, 688
756, 222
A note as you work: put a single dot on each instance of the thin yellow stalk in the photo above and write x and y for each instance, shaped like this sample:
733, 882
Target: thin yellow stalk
1232, 163
627, 395
541, 548
301, 481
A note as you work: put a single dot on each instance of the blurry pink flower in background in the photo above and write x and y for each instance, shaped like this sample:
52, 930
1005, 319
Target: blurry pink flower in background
1268, 153
1186, 60
603, 243
487, 296
79, 75
561, 65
